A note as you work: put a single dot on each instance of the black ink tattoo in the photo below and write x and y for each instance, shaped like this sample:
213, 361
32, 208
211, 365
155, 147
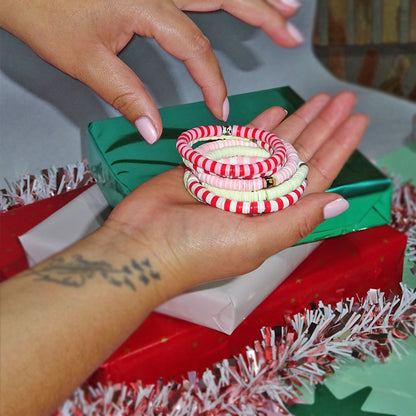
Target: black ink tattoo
77, 272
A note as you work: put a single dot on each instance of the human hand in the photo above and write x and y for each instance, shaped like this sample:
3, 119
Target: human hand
83, 38
195, 243
158, 242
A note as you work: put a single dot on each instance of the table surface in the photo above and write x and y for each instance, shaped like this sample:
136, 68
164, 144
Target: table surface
44, 113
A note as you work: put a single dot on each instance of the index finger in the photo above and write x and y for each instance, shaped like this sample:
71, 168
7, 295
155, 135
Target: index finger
179, 36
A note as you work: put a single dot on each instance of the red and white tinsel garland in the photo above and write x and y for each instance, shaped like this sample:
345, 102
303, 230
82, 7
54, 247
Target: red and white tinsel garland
30, 188
403, 215
267, 378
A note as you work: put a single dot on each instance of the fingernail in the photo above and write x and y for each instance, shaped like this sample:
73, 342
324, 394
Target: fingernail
146, 129
294, 32
295, 4
335, 208
225, 109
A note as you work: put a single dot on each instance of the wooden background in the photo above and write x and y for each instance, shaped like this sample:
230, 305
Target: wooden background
369, 42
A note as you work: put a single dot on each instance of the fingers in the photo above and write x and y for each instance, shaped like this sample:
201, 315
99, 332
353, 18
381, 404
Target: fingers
326, 138
181, 38
286, 7
268, 15
323, 131
269, 119
326, 122
325, 134
117, 84
282, 229
291, 128
328, 160
206, 72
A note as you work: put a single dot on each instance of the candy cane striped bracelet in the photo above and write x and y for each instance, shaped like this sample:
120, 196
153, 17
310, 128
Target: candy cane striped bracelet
241, 169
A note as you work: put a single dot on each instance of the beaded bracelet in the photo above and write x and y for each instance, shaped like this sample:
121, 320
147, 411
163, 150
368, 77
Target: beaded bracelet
201, 163
241, 169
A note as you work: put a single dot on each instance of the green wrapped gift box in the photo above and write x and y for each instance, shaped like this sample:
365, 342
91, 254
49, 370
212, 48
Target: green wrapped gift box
121, 160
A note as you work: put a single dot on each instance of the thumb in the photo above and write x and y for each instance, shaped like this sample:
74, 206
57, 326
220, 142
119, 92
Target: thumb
119, 86
287, 227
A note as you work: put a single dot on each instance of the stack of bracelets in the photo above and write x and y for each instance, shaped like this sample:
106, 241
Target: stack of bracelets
241, 169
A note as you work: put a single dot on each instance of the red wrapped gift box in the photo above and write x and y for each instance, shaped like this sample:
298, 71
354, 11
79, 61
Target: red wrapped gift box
18, 221
340, 267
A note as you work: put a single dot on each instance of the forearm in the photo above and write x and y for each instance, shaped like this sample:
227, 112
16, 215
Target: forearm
61, 319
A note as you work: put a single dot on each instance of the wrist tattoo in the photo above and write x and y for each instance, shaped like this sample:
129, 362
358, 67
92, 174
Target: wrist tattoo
77, 272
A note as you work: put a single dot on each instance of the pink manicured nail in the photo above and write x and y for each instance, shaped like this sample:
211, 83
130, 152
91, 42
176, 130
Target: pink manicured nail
225, 109
335, 208
146, 129
294, 32
295, 4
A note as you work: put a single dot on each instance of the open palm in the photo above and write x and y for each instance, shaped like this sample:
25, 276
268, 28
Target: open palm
199, 243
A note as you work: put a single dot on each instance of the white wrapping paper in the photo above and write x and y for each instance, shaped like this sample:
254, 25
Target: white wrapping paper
72, 222
221, 305
224, 304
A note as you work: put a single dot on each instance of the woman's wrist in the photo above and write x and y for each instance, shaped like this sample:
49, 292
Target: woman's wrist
78, 306
138, 261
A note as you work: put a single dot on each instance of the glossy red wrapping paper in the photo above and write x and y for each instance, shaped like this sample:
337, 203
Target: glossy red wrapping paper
340, 267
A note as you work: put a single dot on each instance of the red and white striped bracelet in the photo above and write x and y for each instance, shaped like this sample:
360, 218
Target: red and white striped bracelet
239, 165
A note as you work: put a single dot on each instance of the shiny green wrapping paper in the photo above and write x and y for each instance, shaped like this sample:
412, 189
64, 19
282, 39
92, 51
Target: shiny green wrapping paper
121, 160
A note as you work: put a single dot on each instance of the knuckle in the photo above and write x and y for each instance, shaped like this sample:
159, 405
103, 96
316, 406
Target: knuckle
200, 44
123, 102
326, 177
304, 226
303, 151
